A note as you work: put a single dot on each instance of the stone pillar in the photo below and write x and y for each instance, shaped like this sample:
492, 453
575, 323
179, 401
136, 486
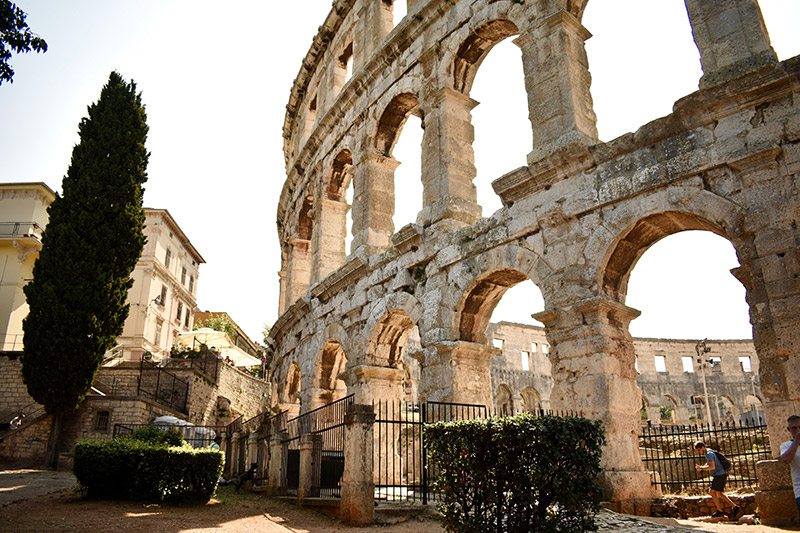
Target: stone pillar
557, 80
357, 507
775, 497
275, 463
731, 37
330, 233
373, 202
375, 383
594, 373
252, 449
448, 160
375, 21
458, 372
235, 452
310, 456
282, 292
298, 270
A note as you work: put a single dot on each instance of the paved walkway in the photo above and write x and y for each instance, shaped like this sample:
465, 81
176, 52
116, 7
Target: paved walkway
23, 484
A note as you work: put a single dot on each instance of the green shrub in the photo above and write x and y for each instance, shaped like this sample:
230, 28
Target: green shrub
156, 435
517, 474
150, 471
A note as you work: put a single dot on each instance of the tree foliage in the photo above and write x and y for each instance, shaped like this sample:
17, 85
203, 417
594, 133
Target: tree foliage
15, 36
220, 322
78, 296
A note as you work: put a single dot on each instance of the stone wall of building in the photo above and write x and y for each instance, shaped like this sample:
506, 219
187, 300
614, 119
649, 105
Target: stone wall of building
14, 397
574, 220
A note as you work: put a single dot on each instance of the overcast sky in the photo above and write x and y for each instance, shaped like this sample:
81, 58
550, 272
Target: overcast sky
215, 78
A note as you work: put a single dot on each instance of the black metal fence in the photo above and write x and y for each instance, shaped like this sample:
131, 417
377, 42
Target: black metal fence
668, 451
196, 436
162, 386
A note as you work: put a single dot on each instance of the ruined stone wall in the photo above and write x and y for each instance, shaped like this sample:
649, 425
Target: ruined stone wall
575, 219
14, 397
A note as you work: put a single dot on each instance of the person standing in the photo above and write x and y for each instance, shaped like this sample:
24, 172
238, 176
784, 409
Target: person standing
790, 456
719, 476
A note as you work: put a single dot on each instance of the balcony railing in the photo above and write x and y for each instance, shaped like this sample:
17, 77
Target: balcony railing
18, 230
11, 343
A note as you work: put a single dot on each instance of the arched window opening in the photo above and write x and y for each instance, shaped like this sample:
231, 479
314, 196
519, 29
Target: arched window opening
753, 413
531, 401
519, 302
328, 386
345, 62
504, 403
633, 85
411, 366
310, 120
399, 9
292, 388
388, 339
407, 178
683, 286
503, 135
305, 220
667, 410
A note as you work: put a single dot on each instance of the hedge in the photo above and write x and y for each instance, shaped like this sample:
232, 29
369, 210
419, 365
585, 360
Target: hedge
517, 474
149, 470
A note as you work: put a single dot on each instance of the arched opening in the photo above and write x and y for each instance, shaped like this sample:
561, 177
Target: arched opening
531, 401
327, 385
336, 222
292, 388
753, 413
406, 149
504, 405
474, 49
388, 339
399, 9
305, 222
503, 135
667, 408
666, 60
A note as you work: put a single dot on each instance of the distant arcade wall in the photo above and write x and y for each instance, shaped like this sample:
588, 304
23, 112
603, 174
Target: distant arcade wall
408, 308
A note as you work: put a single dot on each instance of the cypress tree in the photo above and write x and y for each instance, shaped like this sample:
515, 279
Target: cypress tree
78, 296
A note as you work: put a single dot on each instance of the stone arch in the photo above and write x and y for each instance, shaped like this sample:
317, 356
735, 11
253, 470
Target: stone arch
504, 400
727, 408
475, 48
640, 235
339, 178
293, 385
392, 119
326, 385
305, 219
531, 399
481, 299
386, 342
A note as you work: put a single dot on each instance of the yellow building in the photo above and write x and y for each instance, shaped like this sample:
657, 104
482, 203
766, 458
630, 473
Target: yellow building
23, 216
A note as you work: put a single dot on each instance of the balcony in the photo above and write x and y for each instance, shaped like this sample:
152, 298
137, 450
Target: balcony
21, 231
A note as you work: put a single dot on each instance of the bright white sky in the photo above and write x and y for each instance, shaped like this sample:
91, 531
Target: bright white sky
215, 78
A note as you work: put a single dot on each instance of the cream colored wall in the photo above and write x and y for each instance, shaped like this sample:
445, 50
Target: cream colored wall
19, 203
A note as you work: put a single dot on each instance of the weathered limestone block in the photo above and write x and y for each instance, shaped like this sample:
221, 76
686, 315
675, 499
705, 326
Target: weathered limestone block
775, 498
358, 487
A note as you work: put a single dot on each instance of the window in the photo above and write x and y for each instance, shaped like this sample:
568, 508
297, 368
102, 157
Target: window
101, 421
162, 299
661, 363
744, 363
191, 284
688, 364
167, 257
179, 313
188, 315
525, 359
534, 347
497, 343
716, 363
346, 61
159, 325
183, 275
545, 348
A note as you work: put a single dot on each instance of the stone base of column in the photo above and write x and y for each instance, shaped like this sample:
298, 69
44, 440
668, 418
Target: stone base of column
628, 486
456, 212
569, 141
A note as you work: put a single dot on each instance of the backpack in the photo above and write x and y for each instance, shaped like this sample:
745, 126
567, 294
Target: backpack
723, 461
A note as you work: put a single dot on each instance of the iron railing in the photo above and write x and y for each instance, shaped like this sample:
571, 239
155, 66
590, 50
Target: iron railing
11, 343
163, 387
21, 229
668, 452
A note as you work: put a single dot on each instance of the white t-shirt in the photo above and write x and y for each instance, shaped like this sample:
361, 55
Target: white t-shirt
795, 467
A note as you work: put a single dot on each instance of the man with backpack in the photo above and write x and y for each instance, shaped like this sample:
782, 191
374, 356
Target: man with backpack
719, 476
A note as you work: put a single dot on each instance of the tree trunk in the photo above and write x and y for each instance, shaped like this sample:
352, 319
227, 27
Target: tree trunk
51, 457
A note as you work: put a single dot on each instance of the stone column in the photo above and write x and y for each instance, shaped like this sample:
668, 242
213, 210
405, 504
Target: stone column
557, 80
448, 160
357, 507
298, 270
310, 456
252, 449
375, 383
330, 233
459, 372
375, 21
594, 373
275, 463
373, 202
731, 37
235, 452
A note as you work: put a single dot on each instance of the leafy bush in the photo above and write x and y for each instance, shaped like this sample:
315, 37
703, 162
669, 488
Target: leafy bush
517, 474
156, 435
147, 470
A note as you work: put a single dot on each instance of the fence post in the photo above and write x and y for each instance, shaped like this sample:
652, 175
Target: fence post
275, 463
309, 463
252, 448
357, 506
235, 452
